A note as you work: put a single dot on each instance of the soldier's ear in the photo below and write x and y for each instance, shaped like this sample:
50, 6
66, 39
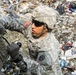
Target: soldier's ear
45, 28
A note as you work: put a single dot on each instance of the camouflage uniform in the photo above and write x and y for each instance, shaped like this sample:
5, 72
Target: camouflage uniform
45, 51
12, 21
48, 45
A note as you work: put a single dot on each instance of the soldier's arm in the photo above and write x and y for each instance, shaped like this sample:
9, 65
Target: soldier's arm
11, 23
55, 56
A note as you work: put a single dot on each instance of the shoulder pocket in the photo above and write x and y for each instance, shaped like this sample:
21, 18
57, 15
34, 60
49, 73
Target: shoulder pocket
44, 58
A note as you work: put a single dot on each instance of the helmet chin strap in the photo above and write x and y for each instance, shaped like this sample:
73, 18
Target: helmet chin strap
39, 35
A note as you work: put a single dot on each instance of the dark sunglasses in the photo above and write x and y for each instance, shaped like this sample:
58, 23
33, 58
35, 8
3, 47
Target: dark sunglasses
37, 23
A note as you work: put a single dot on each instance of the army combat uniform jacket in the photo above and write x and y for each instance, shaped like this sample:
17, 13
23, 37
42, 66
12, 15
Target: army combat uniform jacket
46, 52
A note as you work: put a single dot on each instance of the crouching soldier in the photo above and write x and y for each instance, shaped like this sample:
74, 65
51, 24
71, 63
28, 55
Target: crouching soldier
43, 47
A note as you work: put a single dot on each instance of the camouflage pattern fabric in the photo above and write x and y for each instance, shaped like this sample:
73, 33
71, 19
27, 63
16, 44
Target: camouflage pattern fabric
12, 23
48, 44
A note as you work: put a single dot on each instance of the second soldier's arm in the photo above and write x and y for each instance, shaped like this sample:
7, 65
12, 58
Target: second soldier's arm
12, 23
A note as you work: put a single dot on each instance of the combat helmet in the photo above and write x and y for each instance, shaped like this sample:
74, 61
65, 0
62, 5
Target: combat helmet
45, 14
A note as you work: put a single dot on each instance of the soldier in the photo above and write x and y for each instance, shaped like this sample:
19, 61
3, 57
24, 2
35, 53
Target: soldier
3, 48
43, 47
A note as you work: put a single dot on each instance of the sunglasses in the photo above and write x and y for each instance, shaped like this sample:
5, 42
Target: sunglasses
37, 23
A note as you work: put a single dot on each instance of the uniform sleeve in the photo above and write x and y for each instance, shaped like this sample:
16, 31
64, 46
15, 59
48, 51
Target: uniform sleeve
12, 23
55, 54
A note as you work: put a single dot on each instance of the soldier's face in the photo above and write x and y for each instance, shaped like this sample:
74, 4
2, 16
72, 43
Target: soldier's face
38, 29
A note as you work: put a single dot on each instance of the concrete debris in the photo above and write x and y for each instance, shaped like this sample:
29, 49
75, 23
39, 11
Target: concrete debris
65, 28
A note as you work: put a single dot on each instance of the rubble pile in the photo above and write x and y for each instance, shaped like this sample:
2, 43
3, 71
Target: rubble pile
20, 11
